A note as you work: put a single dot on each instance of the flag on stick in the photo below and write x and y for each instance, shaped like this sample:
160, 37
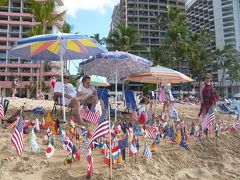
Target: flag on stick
147, 152
102, 128
93, 116
152, 132
17, 136
208, 119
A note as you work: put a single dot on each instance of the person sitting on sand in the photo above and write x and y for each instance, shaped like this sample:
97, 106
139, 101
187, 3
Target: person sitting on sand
40, 95
69, 96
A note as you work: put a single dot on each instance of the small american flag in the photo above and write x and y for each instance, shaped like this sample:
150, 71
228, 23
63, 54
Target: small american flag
147, 152
93, 116
237, 121
208, 119
152, 131
1, 111
17, 136
134, 115
102, 128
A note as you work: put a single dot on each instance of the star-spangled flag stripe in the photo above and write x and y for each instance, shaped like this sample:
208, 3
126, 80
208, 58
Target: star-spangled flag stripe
208, 119
93, 117
152, 132
17, 136
1, 111
102, 128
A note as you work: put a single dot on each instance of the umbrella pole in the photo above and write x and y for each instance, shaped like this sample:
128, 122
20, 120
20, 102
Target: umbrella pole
155, 106
115, 120
110, 143
62, 66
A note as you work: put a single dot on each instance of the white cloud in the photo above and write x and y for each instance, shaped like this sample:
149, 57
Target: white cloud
72, 6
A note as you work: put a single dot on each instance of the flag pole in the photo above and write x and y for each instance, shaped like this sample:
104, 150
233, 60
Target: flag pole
110, 145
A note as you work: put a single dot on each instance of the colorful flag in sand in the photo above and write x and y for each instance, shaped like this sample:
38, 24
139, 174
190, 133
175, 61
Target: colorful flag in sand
90, 164
152, 131
208, 119
50, 151
34, 147
147, 152
237, 121
102, 128
17, 136
93, 116
1, 111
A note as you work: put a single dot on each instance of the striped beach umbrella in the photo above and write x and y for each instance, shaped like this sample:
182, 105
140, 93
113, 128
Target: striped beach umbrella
57, 47
159, 74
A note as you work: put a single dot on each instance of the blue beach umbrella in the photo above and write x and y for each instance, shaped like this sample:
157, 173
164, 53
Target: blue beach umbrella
116, 65
56, 47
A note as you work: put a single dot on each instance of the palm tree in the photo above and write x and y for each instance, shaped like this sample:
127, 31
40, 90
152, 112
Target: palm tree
43, 13
198, 52
175, 41
66, 28
3, 2
98, 39
124, 39
226, 58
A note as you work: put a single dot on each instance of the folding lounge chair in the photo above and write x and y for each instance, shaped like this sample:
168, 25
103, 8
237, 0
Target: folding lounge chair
57, 102
225, 109
103, 94
130, 101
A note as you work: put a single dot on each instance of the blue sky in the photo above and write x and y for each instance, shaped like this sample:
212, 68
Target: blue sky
89, 17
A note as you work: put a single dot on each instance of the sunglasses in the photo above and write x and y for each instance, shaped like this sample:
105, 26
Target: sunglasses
65, 77
207, 78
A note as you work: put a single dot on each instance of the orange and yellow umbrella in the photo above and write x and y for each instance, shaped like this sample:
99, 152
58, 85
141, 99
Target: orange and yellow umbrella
160, 74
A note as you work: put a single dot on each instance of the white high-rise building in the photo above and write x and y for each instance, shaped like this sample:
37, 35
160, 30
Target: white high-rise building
222, 19
16, 23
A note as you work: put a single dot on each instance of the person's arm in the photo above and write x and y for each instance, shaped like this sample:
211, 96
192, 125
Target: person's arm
202, 85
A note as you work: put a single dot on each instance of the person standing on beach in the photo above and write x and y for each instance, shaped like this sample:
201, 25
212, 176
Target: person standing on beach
208, 95
14, 86
52, 84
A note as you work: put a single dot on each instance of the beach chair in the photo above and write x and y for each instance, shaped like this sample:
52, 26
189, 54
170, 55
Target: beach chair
130, 101
103, 95
225, 109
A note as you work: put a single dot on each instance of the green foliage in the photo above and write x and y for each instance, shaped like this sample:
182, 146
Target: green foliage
66, 28
146, 87
124, 39
101, 41
43, 15
3, 2
46, 66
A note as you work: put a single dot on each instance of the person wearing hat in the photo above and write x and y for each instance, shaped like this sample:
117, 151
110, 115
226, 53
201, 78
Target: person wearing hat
70, 96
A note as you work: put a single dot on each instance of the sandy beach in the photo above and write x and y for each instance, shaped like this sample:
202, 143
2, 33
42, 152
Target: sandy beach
212, 158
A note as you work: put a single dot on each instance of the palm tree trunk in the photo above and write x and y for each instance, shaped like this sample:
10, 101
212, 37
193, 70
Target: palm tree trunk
221, 83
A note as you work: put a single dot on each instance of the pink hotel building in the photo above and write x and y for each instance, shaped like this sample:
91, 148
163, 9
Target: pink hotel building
15, 23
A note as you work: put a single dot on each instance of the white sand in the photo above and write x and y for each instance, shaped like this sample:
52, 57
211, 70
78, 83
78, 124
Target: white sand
211, 159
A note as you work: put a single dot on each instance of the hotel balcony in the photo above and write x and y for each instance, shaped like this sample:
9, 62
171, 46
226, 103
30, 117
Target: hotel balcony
23, 84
